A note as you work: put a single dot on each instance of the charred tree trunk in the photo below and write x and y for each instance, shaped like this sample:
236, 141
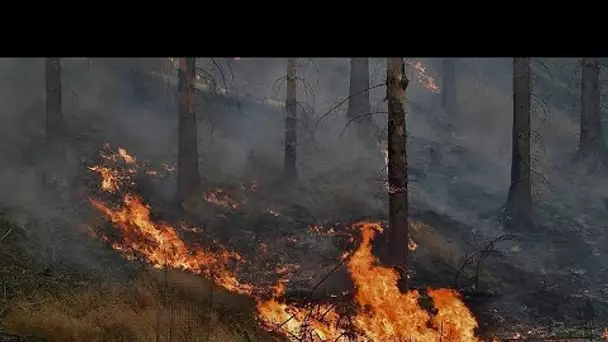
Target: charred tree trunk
396, 235
187, 159
358, 103
518, 208
591, 143
291, 137
54, 115
448, 85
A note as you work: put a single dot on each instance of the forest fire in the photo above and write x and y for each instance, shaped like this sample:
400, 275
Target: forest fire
383, 313
111, 178
160, 245
221, 198
157, 242
422, 76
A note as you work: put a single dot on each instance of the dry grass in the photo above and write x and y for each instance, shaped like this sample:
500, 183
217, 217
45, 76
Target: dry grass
125, 312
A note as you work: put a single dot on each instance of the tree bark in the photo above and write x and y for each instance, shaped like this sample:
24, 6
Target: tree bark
187, 159
396, 235
359, 107
291, 137
518, 208
54, 115
591, 143
448, 85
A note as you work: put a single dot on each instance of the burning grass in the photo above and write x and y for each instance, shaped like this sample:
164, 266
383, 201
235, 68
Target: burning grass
378, 311
382, 312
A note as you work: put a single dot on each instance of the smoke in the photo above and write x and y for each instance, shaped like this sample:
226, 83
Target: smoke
459, 166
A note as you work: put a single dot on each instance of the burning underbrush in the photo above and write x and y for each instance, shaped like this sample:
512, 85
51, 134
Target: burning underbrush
278, 286
377, 310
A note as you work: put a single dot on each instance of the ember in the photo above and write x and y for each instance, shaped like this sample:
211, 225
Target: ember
221, 198
422, 77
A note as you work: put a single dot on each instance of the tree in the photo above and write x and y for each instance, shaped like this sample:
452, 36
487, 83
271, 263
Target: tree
187, 158
358, 102
591, 143
518, 208
291, 137
448, 87
54, 115
396, 236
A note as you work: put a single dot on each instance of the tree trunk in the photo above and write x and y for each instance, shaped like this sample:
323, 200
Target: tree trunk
54, 116
448, 87
187, 159
291, 137
591, 143
359, 108
396, 235
518, 208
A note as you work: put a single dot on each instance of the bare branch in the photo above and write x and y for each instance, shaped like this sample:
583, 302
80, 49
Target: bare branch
359, 117
346, 99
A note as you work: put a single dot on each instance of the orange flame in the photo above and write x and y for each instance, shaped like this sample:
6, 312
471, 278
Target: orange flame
158, 242
385, 314
109, 178
125, 156
160, 245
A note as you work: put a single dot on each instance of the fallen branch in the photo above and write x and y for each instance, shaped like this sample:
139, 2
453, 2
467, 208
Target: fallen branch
478, 258
6, 234
311, 292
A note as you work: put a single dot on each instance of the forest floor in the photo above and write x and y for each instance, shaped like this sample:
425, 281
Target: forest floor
551, 280
124, 301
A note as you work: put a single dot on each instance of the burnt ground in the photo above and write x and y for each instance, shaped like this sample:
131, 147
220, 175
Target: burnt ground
509, 293
504, 292
551, 277
504, 296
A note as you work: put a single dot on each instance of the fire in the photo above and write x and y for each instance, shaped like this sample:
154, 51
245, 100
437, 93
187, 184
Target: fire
293, 321
321, 231
393, 315
384, 314
160, 245
109, 178
121, 153
422, 77
221, 198
125, 156
158, 242
112, 178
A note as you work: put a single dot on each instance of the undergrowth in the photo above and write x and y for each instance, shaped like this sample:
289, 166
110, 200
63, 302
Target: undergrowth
132, 312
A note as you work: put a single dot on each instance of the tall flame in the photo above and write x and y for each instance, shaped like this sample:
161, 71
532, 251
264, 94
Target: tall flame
383, 312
